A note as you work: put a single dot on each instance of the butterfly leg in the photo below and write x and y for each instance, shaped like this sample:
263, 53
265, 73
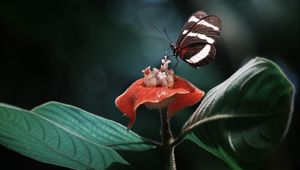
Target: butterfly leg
167, 52
177, 61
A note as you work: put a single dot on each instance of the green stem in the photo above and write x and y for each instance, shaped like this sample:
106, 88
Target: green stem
167, 140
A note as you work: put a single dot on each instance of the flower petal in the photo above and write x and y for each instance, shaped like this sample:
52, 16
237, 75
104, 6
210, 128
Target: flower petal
125, 102
184, 100
182, 94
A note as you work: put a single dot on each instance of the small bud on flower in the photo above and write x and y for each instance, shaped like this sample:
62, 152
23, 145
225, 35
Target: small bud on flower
163, 77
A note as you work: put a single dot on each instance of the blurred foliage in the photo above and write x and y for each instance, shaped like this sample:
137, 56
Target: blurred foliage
86, 53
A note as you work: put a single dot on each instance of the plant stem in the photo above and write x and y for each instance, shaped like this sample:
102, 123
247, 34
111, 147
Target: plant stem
167, 139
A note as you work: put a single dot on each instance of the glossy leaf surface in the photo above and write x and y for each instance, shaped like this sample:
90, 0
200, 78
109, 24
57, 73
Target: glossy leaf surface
246, 116
41, 139
94, 128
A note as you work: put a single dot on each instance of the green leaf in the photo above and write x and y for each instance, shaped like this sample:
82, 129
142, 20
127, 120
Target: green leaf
94, 128
244, 118
44, 140
219, 152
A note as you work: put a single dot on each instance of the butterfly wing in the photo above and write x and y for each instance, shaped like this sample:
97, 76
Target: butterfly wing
198, 54
198, 35
192, 21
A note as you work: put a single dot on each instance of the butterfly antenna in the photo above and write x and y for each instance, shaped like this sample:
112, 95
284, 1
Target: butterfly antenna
166, 52
177, 61
167, 36
155, 27
169, 39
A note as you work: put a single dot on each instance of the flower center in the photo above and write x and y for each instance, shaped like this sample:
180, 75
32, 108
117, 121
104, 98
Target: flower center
163, 77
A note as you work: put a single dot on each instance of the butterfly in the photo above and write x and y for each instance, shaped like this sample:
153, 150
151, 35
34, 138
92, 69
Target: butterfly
195, 44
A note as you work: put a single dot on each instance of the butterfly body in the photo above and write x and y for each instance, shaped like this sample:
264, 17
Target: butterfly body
195, 44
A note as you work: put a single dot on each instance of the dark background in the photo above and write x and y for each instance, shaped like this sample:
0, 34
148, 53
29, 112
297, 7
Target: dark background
86, 53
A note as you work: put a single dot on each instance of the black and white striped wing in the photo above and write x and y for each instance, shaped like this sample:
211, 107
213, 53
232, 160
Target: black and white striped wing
198, 55
195, 44
194, 18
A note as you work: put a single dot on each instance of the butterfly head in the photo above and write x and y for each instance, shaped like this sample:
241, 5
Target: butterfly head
174, 49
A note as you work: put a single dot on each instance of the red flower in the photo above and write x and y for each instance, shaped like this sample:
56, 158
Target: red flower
158, 89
